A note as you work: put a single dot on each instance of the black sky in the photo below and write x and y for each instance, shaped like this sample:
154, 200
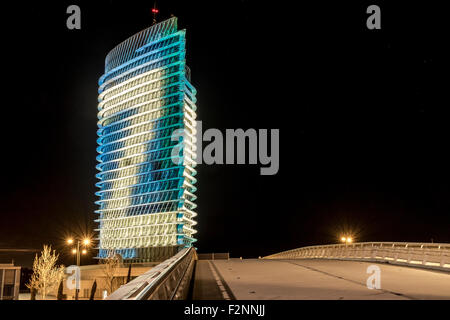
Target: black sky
363, 119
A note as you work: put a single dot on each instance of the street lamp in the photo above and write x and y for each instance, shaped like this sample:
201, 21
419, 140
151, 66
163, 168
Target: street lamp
347, 240
86, 242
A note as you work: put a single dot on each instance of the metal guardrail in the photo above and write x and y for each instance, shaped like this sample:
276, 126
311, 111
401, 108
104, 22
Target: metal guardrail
426, 255
169, 280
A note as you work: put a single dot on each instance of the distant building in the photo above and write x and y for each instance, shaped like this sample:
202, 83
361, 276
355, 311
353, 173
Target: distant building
9, 282
146, 188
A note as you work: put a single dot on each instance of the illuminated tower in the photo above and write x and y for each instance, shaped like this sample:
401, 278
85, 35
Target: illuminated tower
146, 147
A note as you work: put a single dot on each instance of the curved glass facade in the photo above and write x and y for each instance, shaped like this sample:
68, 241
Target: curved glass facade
146, 147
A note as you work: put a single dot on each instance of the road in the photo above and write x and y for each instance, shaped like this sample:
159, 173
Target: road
307, 279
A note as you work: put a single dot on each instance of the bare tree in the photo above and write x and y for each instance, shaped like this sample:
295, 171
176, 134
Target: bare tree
110, 267
46, 274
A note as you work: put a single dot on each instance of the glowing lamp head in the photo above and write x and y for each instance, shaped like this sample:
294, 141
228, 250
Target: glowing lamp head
74, 251
343, 239
84, 251
69, 241
349, 240
86, 242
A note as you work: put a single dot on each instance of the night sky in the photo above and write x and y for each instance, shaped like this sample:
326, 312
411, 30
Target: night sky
363, 118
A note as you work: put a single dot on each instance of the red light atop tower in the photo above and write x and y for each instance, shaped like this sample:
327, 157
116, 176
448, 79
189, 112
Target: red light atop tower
154, 12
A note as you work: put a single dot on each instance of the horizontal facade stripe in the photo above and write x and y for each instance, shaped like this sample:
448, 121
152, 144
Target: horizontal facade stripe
154, 33
174, 40
171, 59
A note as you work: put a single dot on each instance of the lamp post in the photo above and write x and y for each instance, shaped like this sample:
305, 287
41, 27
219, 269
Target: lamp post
86, 242
76, 250
347, 240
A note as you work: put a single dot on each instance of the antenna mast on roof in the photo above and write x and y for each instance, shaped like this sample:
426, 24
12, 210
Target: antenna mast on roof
154, 12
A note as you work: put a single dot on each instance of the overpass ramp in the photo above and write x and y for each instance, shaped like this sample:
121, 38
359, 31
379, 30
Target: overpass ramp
306, 279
